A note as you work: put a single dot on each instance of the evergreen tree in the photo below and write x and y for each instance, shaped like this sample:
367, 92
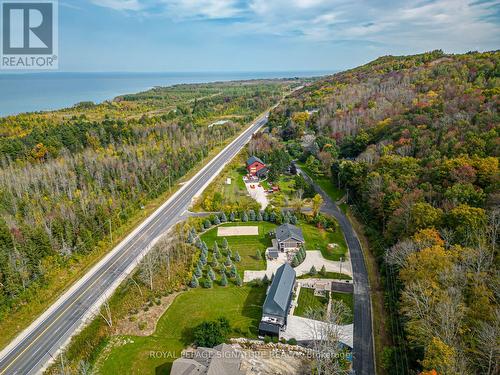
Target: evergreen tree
197, 271
259, 216
215, 262
203, 259
199, 243
233, 272
194, 282
293, 220
322, 272
204, 246
228, 262
295, 261
238, 280
244, 217
216, 220
265, 217
190, 237
211, 273
313, 271
224, 243
237, 257
272, 217
231, 216
286, 219
208, 283
229, 253
216, 247
223, 280
207, 224
223, 217
265, 279
251, 215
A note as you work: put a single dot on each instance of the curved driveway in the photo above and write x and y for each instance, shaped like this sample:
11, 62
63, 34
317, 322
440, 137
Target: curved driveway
363, 358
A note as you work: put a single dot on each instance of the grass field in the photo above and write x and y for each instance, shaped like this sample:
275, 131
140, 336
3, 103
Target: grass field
245, 245
348, 299
233, 194
242, 306
318, 239
327, 275
307, 300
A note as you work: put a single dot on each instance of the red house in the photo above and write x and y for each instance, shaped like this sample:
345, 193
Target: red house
256, 167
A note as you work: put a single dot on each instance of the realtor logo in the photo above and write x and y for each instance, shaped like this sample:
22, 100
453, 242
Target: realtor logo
29, 35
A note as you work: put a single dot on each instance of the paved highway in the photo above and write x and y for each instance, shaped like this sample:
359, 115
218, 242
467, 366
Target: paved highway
363, 358
43, 339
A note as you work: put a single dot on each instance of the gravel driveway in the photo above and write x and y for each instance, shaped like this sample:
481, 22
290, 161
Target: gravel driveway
258, 193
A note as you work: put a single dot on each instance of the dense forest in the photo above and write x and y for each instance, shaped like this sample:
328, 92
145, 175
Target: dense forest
415, 142
69, 178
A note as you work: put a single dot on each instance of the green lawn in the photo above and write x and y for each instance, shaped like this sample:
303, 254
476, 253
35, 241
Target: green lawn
308, 300
327, 275
286, 184
325, 183
348, 299
318, 239
245, 245
242, 306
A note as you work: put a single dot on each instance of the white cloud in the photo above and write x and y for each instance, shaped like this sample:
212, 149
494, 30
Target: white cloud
211, 9
448, 24
133, 5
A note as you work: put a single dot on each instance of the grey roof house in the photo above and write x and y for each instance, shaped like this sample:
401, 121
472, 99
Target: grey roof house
278, 300
220, 360
289, 237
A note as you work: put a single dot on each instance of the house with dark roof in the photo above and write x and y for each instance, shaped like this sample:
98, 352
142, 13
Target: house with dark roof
289, 237
220, 360
278, 301
256, 167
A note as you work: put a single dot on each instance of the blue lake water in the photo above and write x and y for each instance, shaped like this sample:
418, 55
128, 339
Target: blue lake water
47, 91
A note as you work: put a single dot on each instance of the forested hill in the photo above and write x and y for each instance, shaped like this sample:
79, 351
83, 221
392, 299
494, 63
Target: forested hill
415, 141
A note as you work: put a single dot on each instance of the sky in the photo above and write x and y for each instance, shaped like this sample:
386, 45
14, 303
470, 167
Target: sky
265, 35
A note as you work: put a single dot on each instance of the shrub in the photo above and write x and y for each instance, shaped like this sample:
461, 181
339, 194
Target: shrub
267, 339
275, 339
292, 341
142, 325
211, 333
